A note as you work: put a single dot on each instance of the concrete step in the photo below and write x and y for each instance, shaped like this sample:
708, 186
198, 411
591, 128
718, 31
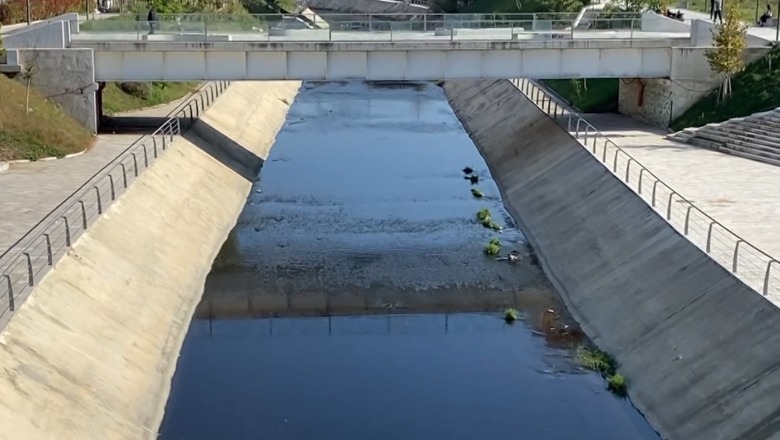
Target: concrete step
747, 134
768, 122
755, 157
720, 145
738, 143
757, 125
680, 136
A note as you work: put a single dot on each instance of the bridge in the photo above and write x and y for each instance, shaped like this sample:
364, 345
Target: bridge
377, 47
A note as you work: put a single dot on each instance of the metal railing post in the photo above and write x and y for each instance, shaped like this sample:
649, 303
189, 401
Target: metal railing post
49, 258
30, 278
11, 305
766, 277
67, 231
736, 255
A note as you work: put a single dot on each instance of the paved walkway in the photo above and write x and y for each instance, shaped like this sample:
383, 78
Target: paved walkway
742, 194
28, 192
766, 33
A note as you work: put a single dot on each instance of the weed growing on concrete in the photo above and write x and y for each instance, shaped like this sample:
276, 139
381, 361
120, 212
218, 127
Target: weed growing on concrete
617, 384
493, 247
511, 315
594, 359
483, 214
477, 193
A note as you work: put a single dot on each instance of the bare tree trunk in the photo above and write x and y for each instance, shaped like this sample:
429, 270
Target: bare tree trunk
27, 98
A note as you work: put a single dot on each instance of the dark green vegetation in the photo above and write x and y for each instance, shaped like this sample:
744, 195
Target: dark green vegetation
594, 359
43, 131
588, 95
486, 219
493, 247
123, 97
755, 89
511, 315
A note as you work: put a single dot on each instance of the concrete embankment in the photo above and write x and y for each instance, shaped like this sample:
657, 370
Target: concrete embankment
696, 345
91, 353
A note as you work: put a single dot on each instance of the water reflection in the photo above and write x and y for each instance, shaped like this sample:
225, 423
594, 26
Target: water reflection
311, 322
452, 376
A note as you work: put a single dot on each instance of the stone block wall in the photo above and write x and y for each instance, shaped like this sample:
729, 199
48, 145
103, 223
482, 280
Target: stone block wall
65, 76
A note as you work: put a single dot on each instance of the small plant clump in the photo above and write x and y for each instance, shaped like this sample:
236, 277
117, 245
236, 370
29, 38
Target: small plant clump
477, 193
617, 384
594, 359
511, 315
493, 247
486, 219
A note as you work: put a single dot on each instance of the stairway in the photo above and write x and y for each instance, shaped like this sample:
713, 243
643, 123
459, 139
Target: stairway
754, 137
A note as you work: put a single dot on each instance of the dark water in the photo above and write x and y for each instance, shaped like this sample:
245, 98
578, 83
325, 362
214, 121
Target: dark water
353, 300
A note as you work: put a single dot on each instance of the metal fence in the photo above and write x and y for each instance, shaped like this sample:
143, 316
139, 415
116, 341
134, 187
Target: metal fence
756, 268
25, 263
346, 27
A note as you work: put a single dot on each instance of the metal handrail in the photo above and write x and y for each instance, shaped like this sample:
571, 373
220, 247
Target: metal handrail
24, 264
749, 263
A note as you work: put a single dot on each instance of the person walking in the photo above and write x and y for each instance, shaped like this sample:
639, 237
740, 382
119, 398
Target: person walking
151, 17
712, 8
717, 15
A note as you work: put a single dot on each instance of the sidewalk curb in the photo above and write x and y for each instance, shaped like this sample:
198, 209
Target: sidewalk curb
4, 166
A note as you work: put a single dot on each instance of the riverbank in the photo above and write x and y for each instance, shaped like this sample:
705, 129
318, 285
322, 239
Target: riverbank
616, 273
124, 295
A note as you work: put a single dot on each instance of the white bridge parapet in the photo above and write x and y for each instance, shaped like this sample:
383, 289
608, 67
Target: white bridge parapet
158, 61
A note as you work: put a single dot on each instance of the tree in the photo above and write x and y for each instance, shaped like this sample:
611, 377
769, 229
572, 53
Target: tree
729, 41
2, 49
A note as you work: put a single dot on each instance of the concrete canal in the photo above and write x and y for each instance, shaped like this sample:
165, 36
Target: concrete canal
354, 299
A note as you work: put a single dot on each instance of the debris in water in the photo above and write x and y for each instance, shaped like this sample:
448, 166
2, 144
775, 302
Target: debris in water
477, 193
467, 170
511, 315
474, 179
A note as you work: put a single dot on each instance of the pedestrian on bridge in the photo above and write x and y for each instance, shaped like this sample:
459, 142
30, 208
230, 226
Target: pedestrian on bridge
151, 17
717, 15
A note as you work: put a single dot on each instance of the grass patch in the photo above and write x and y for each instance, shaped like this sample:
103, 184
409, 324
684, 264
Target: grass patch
756, 89
46, 131
485, 219
591, 95
124, 97
493, 247
617, 384
594, 359
511, 315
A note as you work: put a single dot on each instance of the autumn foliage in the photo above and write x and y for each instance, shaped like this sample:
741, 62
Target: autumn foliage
15, 11
729, 41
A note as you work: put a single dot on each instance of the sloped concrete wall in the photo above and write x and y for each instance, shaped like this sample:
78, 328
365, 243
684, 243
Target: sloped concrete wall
696, 345
91, 353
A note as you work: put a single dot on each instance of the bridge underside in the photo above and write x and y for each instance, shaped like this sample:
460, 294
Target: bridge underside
191, 65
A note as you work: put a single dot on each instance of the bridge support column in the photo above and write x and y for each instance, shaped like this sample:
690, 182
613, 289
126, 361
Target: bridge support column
65, 76
99, 103
659, 101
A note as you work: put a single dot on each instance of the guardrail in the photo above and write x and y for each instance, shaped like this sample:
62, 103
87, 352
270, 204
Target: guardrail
25, 263
347, 27
754, 267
